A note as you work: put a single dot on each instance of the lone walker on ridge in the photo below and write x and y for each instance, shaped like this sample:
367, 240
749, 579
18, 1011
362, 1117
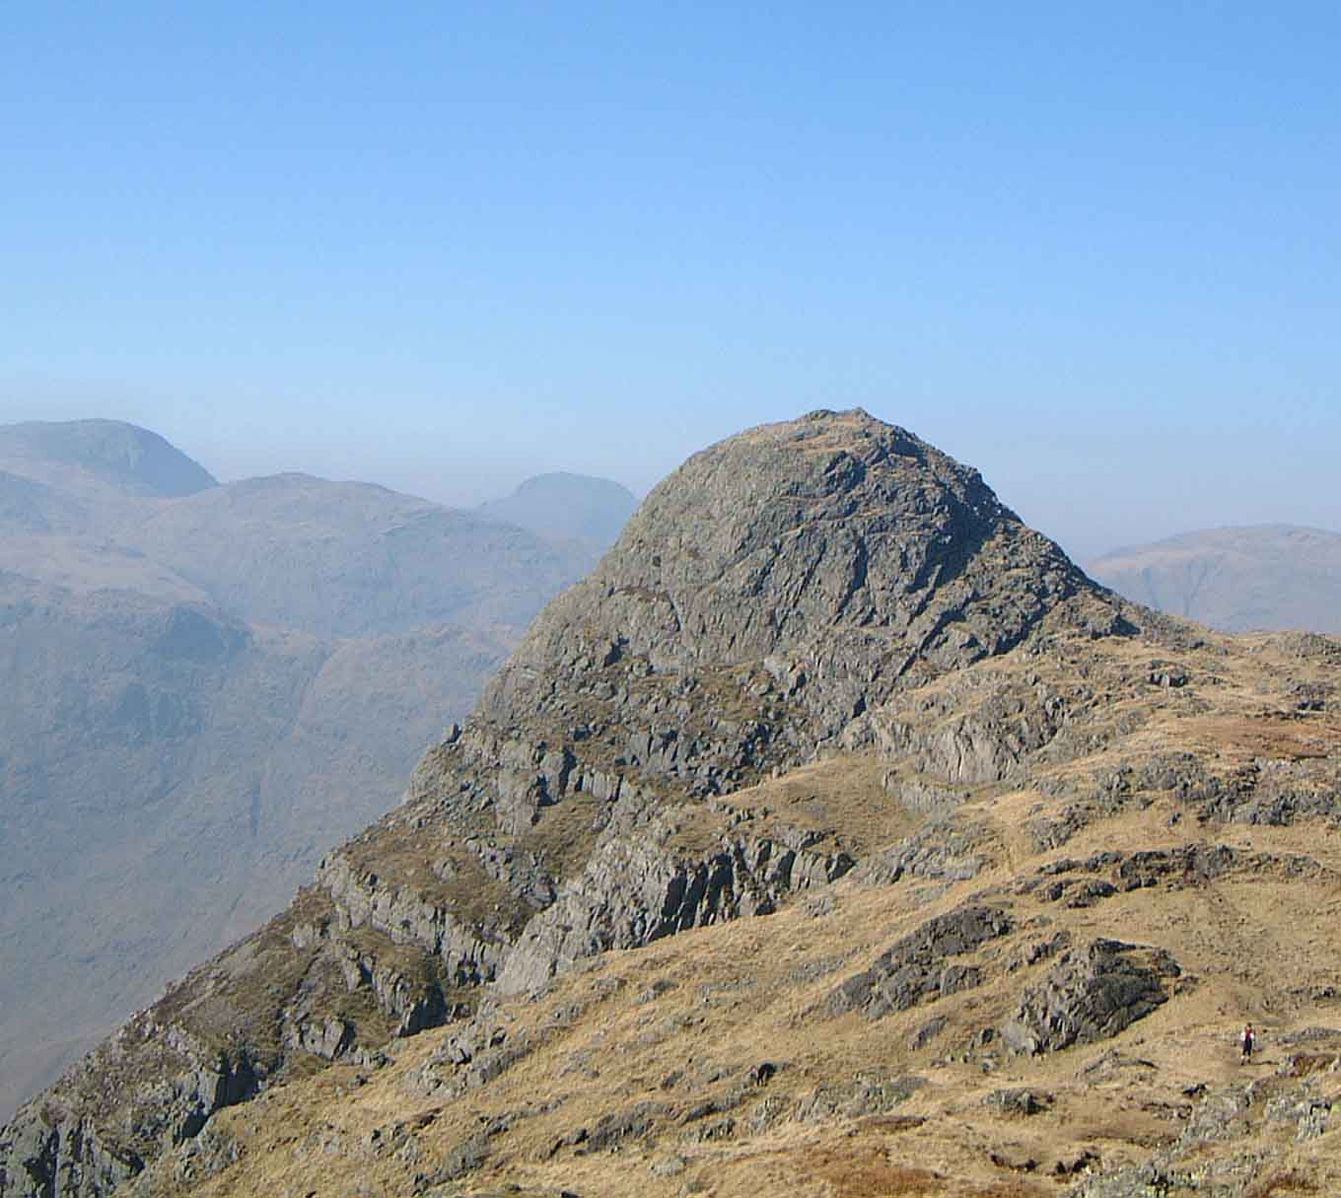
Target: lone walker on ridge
1247, 1041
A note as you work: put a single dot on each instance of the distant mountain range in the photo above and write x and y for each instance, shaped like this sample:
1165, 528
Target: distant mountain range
207, 685
1271, 576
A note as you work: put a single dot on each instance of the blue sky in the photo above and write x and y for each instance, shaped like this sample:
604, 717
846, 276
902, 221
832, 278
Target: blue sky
1092, 249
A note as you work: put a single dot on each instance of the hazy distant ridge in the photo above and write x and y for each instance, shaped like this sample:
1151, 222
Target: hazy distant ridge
213, 683
131, 459
564, 506
1263, 576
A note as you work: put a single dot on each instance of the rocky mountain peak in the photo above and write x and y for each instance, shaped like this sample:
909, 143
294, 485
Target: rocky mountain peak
833, 521
841, 556
826, 677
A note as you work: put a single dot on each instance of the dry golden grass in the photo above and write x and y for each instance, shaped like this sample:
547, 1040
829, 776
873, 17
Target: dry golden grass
682, 1021
843, 799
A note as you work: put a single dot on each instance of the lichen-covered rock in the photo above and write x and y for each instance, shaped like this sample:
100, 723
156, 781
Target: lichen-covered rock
1277, 792
614, 1128
866, 1095
52, 1150
1018, 1101
940, 851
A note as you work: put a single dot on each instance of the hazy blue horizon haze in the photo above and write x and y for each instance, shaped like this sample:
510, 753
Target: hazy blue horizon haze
1092, 250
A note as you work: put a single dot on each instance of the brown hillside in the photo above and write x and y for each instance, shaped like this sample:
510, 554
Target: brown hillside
649, 1071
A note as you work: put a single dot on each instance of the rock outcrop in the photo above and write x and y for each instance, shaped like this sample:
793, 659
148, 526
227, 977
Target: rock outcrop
1091, 994
918, 969
632, 893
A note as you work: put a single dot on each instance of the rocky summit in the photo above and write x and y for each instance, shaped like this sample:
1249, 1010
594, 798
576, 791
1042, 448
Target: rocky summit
1029, 856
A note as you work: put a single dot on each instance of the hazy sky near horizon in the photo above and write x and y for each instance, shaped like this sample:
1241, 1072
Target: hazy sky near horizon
1093, 250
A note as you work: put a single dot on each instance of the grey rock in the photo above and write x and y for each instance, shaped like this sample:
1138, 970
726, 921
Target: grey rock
1277, 793
1310, 1114
635, 1122
916, 969
667, 1166
1091, 994
463, 1158
940, 852
1040, 950
1167, 675
1018, 1101
870, 1095
1311, 1035
1219, 1150
633, 894
197, 1159
50, 1153
927, 1032
980, 728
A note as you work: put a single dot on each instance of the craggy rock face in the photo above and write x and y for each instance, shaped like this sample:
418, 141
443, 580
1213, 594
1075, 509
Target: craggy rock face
1091, 995
824, 677
766, 595
775, 599
918, 968
841, 554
